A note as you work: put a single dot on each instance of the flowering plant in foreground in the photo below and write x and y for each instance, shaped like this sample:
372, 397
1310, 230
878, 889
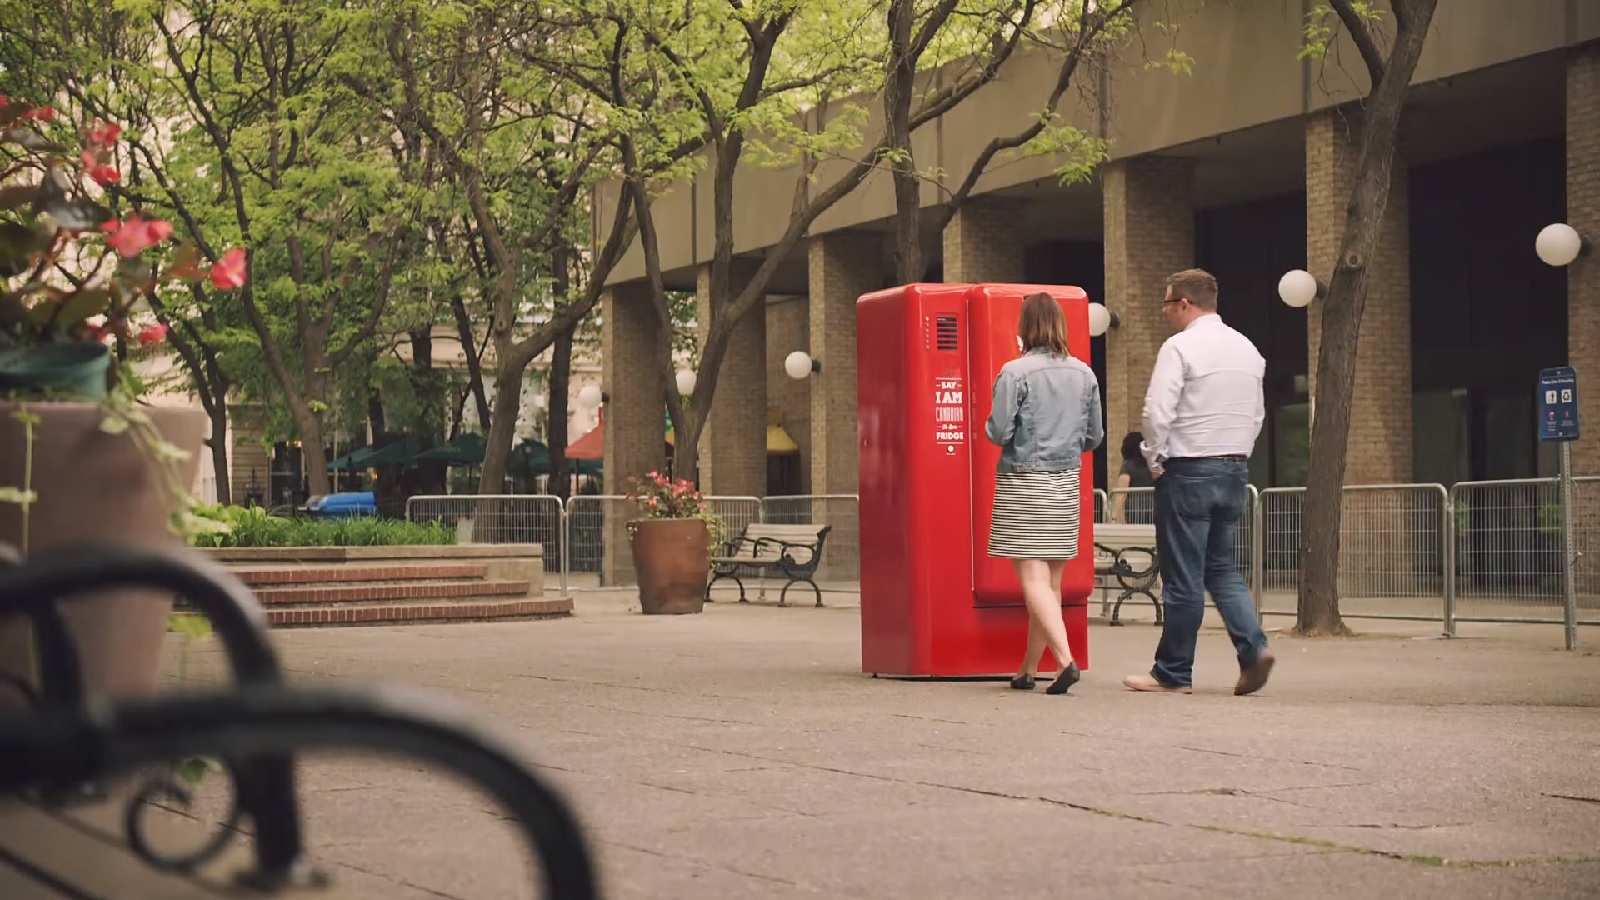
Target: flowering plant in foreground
71, 270
660, 497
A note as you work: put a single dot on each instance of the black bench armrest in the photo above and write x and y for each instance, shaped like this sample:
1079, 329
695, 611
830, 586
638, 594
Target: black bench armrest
265, 783
255, 719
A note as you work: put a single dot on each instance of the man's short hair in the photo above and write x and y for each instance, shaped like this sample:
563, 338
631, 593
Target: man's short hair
1196, 286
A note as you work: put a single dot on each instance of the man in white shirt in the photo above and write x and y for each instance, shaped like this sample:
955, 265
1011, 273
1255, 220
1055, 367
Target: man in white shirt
1202, 414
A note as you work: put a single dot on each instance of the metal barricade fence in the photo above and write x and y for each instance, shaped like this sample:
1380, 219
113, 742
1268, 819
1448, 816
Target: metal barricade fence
1393, 556
499, 519
597, 551
841, 552
1508, 549
1137, 506
1477, 552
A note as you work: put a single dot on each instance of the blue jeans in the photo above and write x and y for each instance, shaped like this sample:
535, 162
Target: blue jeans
1199, 503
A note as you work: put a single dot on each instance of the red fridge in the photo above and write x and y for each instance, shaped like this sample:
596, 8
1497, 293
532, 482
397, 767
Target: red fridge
933, 603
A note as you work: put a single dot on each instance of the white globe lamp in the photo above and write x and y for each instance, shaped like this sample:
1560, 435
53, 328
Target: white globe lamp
798, 364
686, 380
1297, 288
1099, 319
1558, 245
589, 396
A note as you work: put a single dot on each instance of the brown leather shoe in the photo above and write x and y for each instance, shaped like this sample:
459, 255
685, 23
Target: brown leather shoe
1255, 678
1149, 685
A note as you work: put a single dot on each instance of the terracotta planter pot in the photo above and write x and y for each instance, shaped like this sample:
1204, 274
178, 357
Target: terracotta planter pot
95, 487
673, 560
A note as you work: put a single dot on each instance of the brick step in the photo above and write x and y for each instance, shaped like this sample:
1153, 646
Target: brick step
447, 591
401, 613
261, 576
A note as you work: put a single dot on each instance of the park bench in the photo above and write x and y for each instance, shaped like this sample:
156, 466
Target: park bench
1128, 554
83, 777
795, 550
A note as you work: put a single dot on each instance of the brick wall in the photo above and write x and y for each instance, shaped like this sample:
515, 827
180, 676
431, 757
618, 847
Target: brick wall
634, 430
787, 331
984, 242
1149, 234
1380, 427
733, 446
843, 266
1583, 291
1583, 276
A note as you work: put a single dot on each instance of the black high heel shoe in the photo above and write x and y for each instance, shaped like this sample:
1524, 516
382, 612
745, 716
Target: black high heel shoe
1022, 683
1064, 682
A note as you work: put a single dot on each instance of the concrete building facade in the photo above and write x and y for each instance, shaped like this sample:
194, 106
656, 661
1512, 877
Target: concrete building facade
1242, 167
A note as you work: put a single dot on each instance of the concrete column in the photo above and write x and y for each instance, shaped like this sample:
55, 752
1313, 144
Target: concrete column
1149, 234
633, 414
985, 243
1380, 426
1583, 276
733, 446
843, 266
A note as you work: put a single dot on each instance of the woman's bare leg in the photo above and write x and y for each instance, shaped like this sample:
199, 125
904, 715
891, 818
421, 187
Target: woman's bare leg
1035, 651
1044, 608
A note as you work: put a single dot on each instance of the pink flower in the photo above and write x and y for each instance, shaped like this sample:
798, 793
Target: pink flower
135, 235
104, 134
100, 172
38, 114
153, 334
229, 272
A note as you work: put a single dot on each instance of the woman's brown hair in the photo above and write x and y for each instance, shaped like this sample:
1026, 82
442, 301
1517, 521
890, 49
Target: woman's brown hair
1042, 324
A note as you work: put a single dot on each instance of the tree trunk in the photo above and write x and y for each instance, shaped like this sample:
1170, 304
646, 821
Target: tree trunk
375, 417
1342, 308
218, 442
313, 456
469, 344
560, 483
897, 97
502, 431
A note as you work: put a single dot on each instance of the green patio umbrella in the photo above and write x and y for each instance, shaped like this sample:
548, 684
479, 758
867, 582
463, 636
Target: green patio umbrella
355, 459
464, 450
532, 457
396, 453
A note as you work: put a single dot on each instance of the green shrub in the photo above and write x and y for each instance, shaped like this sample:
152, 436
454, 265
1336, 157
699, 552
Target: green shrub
237, 526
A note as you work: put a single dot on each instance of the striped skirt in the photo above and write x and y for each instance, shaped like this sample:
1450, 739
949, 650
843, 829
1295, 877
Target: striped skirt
1035, 515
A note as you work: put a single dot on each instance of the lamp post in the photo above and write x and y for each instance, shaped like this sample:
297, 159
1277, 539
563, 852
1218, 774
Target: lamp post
799, 365
1297, 288
1558, 244
686, 380
592, 398
1101, 320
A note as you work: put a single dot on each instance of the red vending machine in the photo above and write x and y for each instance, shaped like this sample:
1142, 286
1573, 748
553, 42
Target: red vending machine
933, 602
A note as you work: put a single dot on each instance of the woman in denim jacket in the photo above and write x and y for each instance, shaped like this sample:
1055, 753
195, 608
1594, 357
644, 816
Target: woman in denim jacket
1046, 415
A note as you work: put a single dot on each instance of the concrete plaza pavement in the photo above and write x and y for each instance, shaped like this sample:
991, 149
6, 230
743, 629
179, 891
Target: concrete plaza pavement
741, 754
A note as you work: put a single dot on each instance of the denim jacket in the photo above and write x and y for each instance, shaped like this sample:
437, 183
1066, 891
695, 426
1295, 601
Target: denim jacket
1046, 413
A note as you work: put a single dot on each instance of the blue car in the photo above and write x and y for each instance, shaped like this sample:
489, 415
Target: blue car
348, 505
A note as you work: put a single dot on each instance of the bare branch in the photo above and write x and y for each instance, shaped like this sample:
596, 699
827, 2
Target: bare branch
1356, 25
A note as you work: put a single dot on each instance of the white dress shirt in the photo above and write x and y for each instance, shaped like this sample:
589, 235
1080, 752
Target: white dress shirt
1205, 396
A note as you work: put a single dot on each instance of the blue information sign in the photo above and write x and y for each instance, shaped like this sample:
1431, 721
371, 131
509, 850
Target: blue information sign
1558, 404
